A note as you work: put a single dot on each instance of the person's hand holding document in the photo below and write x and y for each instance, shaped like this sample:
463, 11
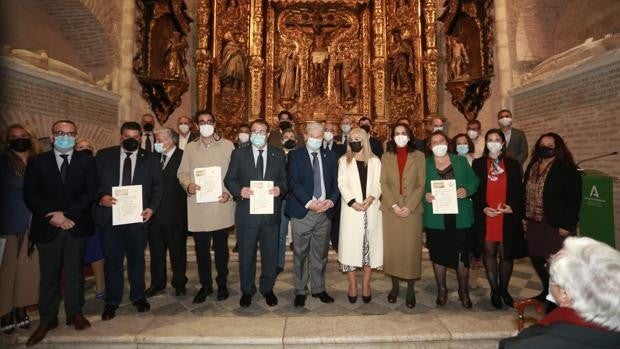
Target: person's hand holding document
444, 197
208, 181
262, 197
126, 203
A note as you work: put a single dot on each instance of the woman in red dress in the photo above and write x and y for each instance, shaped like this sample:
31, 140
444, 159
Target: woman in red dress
498, 207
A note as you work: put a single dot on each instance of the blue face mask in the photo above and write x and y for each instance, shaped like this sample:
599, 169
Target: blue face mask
314, 144
462, 149
345, 128
64, 143
258, 139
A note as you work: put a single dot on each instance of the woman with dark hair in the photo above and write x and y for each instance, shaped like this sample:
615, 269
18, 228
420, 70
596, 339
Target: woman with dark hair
498, 208
448, 236
403, 174
19, 268
463, 146
552, 201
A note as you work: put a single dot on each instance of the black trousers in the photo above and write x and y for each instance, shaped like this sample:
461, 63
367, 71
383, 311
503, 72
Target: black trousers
334, 234
119, 241
64, 253
164, 237
203, 256
249, 238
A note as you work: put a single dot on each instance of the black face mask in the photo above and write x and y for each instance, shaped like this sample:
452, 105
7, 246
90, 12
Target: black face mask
285, 125
87, 151
289, 144
545, 152
130, 144
20, 145
148, 127
356, 147
366, 128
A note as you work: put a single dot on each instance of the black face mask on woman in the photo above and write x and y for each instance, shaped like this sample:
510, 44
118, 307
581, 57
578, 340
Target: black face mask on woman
20, 145
130, 144
545, 152
356, 147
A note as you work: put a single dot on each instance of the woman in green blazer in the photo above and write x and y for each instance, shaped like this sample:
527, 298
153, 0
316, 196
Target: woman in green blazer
448, 236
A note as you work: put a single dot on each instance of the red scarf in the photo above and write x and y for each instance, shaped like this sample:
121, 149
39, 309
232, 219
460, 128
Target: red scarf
568, 316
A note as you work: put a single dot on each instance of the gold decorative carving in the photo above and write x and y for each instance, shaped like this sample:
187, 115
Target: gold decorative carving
159, 65
469, 47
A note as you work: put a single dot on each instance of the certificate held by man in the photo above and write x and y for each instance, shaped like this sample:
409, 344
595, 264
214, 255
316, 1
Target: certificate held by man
445, 200
128, 207
261, 200
209, 179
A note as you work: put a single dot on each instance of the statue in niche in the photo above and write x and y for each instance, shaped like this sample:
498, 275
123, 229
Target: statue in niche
348, 77
401, 64
233, 9
458, 58
288, 75
232, 72
402, 4
174, 60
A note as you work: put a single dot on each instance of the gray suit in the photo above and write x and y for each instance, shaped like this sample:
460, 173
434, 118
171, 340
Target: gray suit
517, 147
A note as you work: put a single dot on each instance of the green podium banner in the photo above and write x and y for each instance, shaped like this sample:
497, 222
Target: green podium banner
596, 217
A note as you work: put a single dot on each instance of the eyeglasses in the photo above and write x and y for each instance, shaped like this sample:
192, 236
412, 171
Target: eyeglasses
203, 122
261, 132
61, 133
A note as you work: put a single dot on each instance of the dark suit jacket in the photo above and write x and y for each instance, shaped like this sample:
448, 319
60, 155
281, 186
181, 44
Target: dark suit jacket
337, 149
376, 146
301, 179
44, 192
275, 139
242, 170
561, 195
515, 245
172, 209
517, 148
147, 173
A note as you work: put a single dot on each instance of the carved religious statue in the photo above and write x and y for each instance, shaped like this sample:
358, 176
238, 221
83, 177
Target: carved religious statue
348, 78
174, 57
458, 58
232, 9
401, 64
288, 75
232, 72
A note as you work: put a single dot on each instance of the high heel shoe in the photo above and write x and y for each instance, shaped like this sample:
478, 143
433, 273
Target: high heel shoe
442, 297
507, 298
392, 296
352, 299
496, 300
367, 299
464, 297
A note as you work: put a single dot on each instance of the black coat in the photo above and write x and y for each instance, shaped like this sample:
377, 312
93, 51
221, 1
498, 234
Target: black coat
172, 209
515, 245
376, 146
561, 336
561, 195
44, 192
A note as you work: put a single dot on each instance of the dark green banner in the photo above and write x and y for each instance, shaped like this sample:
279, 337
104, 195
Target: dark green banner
596, 218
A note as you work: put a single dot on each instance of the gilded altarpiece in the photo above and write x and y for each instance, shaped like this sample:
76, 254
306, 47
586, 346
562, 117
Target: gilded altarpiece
319, 59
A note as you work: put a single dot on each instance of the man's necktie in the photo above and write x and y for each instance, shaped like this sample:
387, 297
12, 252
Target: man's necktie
259, 165
127, 169
316, 169
163, 160
147, 144
64, 167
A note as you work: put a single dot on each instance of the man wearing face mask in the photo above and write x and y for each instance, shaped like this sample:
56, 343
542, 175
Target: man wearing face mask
345, 126
285, 122
243, 136
474, 132
329, 144
123, 165
516, 143
312, 175
59, 187
184, 125
260, 162
375, 144
433, 124
148, 124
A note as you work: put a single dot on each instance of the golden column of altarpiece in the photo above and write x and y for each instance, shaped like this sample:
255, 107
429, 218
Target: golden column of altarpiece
319, 59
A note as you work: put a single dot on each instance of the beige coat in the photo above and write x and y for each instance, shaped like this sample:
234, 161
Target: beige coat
350, 246
402, 237
212, 215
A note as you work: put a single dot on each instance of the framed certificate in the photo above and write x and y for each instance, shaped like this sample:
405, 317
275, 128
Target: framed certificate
128, 207
445, 201
210, 181
261, 200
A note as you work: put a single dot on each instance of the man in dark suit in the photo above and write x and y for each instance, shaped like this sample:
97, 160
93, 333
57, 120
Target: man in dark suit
260, 162
59, 187
313, 177
186, 134
375, 144
148, 141
121, 166
167, 230
285, 122
338, 150
516, 143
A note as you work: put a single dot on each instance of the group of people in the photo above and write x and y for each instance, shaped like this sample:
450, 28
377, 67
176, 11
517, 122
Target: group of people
334, 183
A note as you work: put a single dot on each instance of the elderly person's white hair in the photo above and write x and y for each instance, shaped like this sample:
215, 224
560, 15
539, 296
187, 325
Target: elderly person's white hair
169, 133
313, 126
589, 272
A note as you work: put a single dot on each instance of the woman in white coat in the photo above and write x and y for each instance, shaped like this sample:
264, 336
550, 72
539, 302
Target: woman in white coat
361, 225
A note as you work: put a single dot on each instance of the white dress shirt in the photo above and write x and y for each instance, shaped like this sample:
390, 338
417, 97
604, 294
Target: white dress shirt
133, 157
255, 151
59, 159
168, 155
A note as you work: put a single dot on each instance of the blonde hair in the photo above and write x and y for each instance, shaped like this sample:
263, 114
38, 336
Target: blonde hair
366, 151
16, 163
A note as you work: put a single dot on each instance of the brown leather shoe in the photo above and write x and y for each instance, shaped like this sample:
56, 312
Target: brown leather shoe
79, 322
39, 334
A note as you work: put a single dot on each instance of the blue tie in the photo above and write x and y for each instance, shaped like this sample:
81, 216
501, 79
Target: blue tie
317, 175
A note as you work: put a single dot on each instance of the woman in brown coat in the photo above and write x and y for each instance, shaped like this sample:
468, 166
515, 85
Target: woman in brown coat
402, 184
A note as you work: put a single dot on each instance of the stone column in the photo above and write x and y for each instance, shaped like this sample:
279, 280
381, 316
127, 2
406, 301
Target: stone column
125, 75
502, 56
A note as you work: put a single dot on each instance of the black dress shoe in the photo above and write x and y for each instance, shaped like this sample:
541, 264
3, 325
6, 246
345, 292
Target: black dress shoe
300, 301
202, 294
141, 305
352, 299
153, 291
39, 334
507, 298
180, 291
109, 312
245, 300
496, 300
410, 300
222, 293
271, 299
324, 297
392, 296
22, 320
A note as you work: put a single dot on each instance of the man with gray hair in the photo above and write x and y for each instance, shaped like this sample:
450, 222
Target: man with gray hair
312, 177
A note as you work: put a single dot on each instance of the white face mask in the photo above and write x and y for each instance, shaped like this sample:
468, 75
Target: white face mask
437, 128
159, 147
440, 150
328, 136
183, 128
494, 147
401, 140
472, 134
244, 137
206, 130
505, 122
